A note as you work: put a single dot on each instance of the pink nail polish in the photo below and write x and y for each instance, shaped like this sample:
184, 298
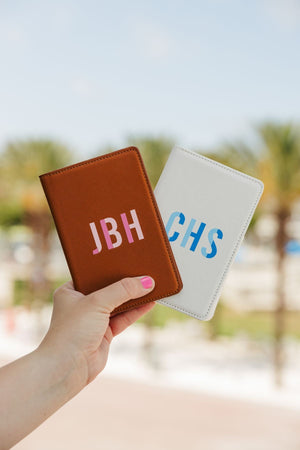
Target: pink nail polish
146, 282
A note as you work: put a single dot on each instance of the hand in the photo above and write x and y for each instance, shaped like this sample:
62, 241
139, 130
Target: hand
81, 329
73, 352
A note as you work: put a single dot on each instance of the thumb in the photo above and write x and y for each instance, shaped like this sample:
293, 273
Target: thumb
109, 297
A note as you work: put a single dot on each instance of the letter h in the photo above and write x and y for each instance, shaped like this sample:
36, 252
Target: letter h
196, 235
135, 224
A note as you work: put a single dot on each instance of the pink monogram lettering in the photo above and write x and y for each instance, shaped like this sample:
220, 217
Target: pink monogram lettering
112, 230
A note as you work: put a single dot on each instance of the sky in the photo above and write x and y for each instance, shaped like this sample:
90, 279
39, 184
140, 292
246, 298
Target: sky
91, 73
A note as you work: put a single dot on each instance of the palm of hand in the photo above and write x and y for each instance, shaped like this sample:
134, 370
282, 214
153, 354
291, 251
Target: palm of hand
83, 326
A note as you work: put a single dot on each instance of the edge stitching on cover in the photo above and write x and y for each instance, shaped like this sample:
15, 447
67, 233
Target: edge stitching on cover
158, 216
239, 239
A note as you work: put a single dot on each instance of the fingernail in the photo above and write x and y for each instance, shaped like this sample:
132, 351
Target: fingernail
147, 282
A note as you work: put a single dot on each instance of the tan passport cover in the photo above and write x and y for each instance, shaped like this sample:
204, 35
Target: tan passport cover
109, 224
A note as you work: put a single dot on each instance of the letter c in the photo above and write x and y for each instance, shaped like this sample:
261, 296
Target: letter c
170, 223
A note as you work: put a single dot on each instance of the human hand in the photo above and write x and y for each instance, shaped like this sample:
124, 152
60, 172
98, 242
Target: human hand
81, 329
72, 353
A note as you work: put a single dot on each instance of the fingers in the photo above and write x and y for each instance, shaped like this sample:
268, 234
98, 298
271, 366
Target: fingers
121, 291
123, 320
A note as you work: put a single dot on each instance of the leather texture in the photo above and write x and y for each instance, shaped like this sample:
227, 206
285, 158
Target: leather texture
109, 225
206, 208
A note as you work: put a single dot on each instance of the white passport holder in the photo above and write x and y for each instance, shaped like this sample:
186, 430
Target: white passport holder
206, 208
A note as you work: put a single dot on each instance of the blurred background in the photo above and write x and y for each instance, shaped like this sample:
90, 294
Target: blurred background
221, 77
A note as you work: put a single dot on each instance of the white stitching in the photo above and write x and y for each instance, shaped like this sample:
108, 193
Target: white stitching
158, 218
240, 237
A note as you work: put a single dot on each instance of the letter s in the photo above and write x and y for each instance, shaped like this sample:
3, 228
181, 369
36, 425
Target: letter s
212, 243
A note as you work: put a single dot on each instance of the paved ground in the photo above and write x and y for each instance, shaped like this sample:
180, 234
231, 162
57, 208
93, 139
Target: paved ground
112, 414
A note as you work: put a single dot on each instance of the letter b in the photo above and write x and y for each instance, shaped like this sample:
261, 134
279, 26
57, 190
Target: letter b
113, 231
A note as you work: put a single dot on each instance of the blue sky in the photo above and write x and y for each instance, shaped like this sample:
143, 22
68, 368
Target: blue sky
90, 73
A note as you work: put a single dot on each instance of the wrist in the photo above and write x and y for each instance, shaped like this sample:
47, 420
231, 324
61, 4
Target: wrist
67, 370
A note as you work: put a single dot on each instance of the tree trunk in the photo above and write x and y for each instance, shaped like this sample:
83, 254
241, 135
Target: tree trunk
281, 239
40, 225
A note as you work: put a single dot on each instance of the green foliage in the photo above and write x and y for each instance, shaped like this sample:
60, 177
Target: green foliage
257, 325
30, 158
226, 322
281, 144
161, 315
10, 214
22, 294
21, 163
240, 157
276, 161
237, 155
155, 152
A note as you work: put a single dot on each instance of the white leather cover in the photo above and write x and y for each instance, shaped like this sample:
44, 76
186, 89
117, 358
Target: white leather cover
206, 208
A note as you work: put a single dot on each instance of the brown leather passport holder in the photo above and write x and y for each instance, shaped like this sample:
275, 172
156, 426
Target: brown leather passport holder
109, 225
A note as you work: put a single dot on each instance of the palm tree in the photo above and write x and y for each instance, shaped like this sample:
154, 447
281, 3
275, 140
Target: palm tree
278, 165
22, 198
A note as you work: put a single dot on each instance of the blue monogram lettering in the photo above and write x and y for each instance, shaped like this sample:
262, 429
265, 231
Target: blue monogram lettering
178, 218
